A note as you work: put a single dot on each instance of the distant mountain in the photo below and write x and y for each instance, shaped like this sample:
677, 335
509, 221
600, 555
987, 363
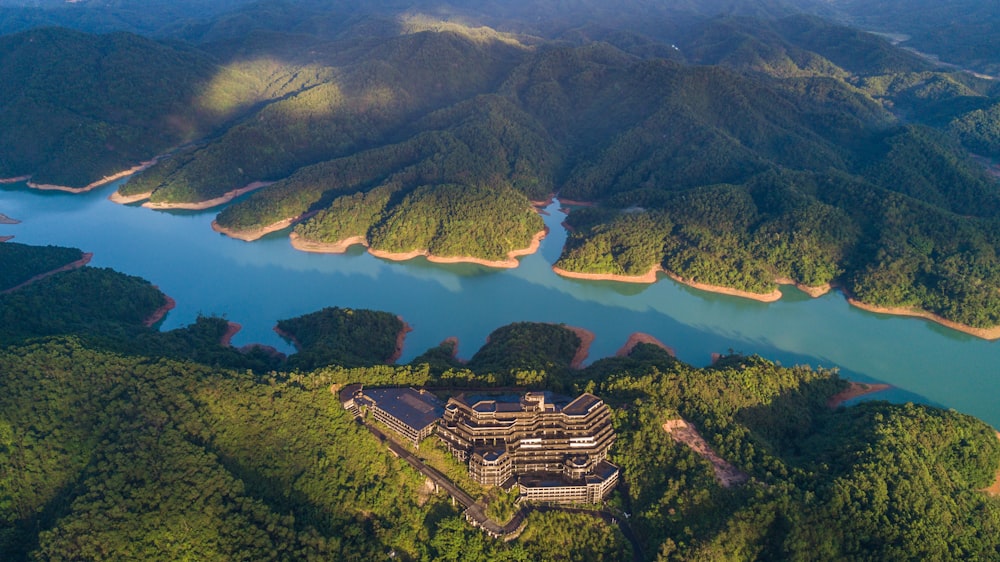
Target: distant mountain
761, 149
962, 32
101, 16
75, 107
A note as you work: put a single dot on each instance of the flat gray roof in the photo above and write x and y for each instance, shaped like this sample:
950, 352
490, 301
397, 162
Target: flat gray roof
582, 405
412, 407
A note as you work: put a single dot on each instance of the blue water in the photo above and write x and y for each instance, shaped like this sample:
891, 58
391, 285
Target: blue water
258, 283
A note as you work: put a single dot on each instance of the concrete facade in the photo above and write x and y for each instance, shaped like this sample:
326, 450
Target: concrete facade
553, 452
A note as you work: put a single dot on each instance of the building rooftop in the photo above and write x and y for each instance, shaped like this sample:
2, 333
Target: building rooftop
512, 402
602, 471
582, 405
415, 408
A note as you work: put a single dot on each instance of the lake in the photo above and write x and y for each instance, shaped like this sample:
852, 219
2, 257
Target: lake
258, 283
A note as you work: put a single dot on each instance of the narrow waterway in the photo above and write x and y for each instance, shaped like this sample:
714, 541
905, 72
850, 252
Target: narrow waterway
258, 283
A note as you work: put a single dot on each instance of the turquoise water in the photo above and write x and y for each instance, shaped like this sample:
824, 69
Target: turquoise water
258, 283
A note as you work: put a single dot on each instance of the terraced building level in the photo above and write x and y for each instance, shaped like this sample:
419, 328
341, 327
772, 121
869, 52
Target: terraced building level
555, 452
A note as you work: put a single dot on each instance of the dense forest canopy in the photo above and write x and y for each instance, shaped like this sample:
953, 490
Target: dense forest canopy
729, 142
735, 144
119, 442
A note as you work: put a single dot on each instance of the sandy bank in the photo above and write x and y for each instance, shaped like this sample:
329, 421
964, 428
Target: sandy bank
454, 348
541, 205
544, 202
249, 235
814, 292
855, 390
157, 315
208, 204
128, 199
509, 263
646, 278
575, 203
14, 180
768, 297
400, 341
338, 247
341, 246
254, 234
586, 338
985, 333
285, 335
638, 337
232, 328
94, 185
4, 219
84, 260
5, 238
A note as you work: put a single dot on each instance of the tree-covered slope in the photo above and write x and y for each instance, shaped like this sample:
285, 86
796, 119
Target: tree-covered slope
960, 32
77, 107
22, 262
82, 301
343, 336
124, 454
483, 142
742, 149
377, 93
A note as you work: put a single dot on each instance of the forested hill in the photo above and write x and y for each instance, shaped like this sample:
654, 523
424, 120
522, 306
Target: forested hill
760, 147
75, 107
961, 32
120, 442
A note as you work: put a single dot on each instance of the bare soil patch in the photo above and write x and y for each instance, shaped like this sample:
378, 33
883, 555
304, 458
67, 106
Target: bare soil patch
683, 432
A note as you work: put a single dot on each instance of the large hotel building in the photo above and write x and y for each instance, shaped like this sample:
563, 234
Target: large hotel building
552, 452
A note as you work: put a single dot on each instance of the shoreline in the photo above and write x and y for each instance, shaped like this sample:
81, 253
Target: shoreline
258, 233
341, 246
4, 219
636, 338
646, 278
759, 297
453, 340
6, 238
208, 204
285, 335
774, 296
575, 203
582, 352
232, 328
855, 390
400, 342
128, 199
338, 247
18, 179
84, 260
158, 314
95, 184
984, 333
814, 292
540, 206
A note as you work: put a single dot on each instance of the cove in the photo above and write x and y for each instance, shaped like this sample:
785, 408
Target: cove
258, 283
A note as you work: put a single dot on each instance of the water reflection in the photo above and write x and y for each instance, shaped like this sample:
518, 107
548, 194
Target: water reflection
258, 283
